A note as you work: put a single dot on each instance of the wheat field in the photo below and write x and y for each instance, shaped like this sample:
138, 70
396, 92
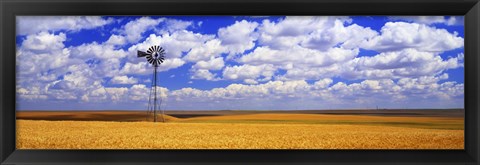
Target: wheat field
257, 131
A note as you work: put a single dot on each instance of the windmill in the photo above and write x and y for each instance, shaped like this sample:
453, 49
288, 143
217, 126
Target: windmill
155, 55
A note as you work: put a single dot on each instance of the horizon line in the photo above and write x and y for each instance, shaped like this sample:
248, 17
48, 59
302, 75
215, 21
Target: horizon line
370, 109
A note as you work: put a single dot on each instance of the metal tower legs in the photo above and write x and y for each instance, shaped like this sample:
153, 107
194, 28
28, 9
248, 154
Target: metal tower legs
155, 96
155, 106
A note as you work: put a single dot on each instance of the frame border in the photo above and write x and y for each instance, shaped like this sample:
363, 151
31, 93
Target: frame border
11, 8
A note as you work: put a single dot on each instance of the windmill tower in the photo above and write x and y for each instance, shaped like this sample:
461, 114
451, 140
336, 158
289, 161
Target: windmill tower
155, 55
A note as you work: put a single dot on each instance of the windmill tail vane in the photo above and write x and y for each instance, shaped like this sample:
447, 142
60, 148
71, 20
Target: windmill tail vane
155, 55
141, 54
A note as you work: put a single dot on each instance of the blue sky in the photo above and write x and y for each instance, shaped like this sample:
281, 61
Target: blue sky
241, 62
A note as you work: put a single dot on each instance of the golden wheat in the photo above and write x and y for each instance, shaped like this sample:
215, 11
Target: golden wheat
33, 134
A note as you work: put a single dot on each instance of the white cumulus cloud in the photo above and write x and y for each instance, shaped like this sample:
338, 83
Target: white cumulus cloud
238, 37
240, 72
452, 20
27, 25
401, 35
123, 80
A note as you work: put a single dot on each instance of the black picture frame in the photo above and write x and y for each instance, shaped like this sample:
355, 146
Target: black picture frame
11, 8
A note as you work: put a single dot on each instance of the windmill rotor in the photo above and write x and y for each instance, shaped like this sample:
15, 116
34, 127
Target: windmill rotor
155, 55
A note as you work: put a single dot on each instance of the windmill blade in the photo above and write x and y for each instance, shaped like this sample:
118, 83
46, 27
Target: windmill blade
150, 50
154, 62
141, 54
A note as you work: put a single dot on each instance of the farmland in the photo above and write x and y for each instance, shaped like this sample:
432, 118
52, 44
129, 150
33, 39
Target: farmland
242, 130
